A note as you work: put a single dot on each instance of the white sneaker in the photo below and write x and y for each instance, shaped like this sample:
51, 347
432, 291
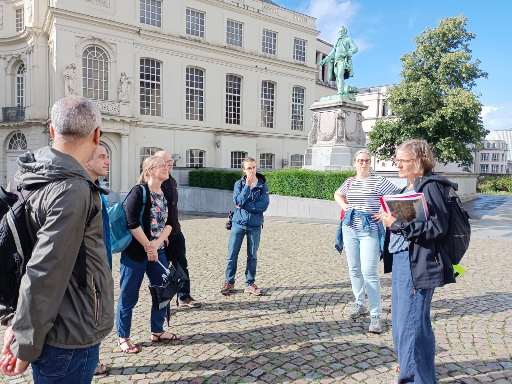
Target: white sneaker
375, 326
358, 311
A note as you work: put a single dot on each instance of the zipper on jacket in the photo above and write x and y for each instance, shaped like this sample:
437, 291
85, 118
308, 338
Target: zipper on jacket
96, 302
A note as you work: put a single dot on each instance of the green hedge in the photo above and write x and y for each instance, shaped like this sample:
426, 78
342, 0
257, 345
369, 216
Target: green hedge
287, 182
494, 184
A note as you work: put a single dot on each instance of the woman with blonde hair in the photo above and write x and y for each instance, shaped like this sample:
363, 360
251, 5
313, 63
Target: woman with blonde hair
417, 256
363, 235
148, 217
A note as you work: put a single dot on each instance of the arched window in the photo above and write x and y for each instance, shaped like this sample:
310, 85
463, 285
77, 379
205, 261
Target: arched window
17, 142
20, 85
95, 73
106, 181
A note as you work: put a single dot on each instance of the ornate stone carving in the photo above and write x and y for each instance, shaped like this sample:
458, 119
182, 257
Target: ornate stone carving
100, 3
327, 127
356, 134
315, 123
107, 107
70, 80
123, 89
340, 126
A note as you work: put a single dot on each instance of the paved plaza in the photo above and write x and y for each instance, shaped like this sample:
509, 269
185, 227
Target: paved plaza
299, 330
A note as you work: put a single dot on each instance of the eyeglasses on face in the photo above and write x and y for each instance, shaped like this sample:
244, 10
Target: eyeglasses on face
400, 161
363, 161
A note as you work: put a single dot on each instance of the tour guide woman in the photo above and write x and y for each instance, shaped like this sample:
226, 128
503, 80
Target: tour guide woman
147, 246
418, 262
359, 197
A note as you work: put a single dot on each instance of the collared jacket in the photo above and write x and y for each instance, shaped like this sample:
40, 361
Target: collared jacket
170, 190
250, 203
53, 308
430, 263
366, 219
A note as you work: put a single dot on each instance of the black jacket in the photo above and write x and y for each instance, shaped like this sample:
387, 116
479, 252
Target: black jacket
430, 263
170, 189
133, 207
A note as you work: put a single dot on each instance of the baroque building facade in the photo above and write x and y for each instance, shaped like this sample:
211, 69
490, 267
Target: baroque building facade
211, 81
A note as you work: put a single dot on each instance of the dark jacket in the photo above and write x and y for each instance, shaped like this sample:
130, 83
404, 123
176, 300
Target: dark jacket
430, 263
133, 207
53, 308
170, 189
251, 202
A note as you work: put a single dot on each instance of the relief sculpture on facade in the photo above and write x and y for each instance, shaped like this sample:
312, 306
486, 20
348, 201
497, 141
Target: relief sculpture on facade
123, 89
70, 80
327, 126
315, 122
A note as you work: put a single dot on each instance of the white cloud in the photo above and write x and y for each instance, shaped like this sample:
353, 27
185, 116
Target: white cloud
331, 15
362, 44
497, 116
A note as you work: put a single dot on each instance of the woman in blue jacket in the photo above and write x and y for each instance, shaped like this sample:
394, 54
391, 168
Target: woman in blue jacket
250, 196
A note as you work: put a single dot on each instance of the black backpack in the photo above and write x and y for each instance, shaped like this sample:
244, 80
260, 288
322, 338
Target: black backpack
456, 242
16, 245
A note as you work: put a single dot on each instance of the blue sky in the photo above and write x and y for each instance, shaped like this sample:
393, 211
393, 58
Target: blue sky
385, 30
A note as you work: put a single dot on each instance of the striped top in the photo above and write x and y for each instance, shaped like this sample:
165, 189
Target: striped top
363, 195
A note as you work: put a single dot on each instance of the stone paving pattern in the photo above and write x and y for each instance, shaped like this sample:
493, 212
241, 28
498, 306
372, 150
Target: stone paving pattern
299, 330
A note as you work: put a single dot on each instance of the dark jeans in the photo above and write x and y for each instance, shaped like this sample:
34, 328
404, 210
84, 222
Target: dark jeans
235, 243
131, 276
178, 255
412, 330
63, 366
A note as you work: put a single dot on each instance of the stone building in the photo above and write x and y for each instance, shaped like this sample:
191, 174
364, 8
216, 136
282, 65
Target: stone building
211, 81
492, 158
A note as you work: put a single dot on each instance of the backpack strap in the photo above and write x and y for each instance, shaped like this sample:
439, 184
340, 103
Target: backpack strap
144, 201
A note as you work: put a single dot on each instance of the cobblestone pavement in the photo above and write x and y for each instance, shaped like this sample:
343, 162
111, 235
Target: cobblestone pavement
299, 330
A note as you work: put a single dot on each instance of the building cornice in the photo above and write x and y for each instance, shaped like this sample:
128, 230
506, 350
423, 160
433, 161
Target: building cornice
22, 37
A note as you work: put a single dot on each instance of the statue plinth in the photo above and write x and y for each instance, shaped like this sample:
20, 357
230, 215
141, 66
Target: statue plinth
336, 133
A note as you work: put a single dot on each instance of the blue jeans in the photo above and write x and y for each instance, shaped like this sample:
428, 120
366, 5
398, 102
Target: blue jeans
412, 330
235, 242
131, 276
62, 366
363, 254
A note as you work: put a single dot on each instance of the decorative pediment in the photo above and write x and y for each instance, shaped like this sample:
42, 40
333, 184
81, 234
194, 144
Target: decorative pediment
86, 41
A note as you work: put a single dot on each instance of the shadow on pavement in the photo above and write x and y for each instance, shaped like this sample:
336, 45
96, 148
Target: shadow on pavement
490, 303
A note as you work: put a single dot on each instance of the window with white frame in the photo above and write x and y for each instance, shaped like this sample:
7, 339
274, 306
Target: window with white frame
20, 20
95, 67
196, 158
296, 161
236, 158
20, 85
146, 152
495, 157
495, 168
267, 104
484, 157
105, 181
151, 12
194, 96
299, 50
234, 33
195, 22
150, 87
269, 42
17, 142
484, 168
233, 99
298, 109
267, 160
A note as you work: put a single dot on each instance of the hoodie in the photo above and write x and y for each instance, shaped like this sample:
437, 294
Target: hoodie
52, 307
250, 203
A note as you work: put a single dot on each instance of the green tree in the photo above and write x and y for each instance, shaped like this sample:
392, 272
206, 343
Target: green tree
434, 99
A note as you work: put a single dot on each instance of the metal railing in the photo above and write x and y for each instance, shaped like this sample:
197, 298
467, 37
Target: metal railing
13, 114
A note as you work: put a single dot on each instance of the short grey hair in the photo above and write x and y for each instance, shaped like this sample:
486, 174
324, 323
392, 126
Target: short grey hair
361, 152
75, 116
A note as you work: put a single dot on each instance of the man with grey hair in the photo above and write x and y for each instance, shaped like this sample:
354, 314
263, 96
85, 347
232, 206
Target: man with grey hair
66, 298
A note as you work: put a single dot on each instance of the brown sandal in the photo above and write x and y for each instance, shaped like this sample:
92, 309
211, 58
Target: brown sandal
163, 337
101, 370
127, 346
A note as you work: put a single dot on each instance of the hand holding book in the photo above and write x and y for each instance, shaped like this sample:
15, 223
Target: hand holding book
405, 206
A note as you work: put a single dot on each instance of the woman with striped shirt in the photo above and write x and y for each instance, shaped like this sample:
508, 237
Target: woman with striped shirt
359, 197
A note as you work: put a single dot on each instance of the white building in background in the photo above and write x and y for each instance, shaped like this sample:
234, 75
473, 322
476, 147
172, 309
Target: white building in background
211, 81
492, 158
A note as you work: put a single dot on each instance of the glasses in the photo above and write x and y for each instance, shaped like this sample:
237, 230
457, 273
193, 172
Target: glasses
363, 161
400, 161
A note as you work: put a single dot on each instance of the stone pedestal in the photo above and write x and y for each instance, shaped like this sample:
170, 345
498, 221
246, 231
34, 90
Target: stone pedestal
336, 134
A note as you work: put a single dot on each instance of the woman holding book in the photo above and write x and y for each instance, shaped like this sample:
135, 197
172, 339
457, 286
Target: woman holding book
414, 253
362, 234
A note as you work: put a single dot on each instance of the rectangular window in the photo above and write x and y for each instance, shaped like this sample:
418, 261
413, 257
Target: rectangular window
195, 23
195, 158
233, 99
266, 160
20, 20
269, 42
495, 157
484, 157
495, 168
267, 104
298, 109
296, 161
194, 94
299, 50
234, 33
484, 168
236, 159
151, 12
150, 91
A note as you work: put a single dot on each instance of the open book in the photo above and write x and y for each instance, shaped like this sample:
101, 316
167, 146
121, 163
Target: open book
405, 206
